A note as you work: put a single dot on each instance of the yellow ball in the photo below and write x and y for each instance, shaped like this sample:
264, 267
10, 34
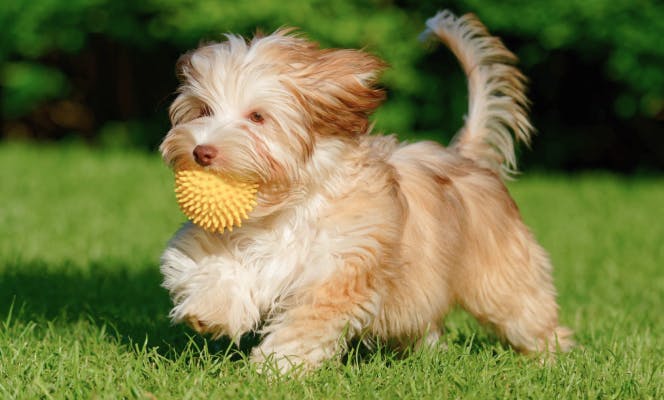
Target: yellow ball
213, 201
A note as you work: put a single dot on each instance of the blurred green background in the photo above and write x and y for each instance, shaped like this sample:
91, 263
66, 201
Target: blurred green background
102, 71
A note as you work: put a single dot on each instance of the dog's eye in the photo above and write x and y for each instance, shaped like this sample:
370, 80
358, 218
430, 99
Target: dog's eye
204, 111
256, 117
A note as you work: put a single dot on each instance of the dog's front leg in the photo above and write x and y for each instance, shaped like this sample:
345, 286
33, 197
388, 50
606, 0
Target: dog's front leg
321, 321
211, 291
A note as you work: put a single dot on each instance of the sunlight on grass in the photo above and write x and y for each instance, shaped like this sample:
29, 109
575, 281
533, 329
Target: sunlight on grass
82, 313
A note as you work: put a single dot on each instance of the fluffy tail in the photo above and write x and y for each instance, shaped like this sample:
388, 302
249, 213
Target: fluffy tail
497, 103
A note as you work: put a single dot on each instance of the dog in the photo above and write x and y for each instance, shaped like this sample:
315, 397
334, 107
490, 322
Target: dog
354, 234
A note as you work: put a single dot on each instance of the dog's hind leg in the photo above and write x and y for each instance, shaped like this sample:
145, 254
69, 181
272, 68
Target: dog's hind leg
514, 293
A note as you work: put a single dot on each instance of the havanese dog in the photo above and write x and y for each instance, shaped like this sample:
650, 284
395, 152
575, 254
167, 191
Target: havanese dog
354, 235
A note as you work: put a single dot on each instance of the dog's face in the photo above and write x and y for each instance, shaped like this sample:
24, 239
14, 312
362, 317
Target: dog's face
256, 110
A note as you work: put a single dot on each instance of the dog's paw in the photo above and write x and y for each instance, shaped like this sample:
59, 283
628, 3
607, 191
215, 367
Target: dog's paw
292, 358
196, 323
216, 315
278, 365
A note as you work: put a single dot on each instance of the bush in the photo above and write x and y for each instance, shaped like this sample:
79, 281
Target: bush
72, 68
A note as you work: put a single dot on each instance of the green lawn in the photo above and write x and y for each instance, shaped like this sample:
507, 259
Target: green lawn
82, 313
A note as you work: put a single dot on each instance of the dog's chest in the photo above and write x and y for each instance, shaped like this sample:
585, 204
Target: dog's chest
274, 263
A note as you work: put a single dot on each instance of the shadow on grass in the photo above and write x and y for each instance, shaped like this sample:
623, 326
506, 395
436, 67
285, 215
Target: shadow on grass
133, 304
129, 301
471, 343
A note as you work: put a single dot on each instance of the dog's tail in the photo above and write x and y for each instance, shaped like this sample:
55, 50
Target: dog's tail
497, 103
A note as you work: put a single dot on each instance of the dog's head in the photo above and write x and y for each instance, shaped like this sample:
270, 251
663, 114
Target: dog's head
257, 109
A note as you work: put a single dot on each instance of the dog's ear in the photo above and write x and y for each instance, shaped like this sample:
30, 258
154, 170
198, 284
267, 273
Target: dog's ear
338, 89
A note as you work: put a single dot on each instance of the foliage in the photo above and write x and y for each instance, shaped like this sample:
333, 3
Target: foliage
27, 84
602, 56
36, 30
82, 313
626, 35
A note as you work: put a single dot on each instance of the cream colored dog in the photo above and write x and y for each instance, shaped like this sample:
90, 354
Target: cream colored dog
354, 234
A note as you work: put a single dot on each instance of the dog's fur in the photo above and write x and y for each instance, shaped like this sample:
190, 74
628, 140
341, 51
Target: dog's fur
354, 234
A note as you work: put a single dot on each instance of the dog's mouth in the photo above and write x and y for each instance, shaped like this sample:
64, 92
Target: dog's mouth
189, 164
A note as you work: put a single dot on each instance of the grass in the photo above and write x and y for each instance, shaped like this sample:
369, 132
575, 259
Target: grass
82, 314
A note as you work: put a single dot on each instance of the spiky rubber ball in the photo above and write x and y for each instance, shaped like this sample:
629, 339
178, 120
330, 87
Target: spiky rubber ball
213, 201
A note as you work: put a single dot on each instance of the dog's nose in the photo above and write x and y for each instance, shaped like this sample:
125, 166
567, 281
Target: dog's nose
204, 154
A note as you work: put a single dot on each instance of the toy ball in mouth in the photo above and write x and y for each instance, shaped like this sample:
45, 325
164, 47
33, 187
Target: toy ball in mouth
213, 201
